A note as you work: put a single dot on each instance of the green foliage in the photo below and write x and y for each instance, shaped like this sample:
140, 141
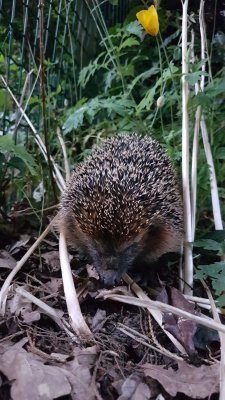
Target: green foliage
16, 154
211, 246
216, 273
118, 90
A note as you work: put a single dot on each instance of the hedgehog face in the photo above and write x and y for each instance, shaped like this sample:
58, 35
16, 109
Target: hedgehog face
112, 262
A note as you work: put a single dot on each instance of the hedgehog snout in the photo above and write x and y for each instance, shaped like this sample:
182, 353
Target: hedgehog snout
108, 268
111, 267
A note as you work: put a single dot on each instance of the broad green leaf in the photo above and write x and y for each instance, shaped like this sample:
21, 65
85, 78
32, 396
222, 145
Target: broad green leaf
211, 270
27, 158
7, 146
209, 244
195, 77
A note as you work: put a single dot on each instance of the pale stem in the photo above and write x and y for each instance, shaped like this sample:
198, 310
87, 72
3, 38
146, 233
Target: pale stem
202, 320
188, 260
47, 310
77, 320
208, 152
194, 158
194, 170
213, 182
156, 314
65, 157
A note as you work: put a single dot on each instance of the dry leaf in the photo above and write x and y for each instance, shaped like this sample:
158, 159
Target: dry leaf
24, 239
197, 383
183, 329
20, 305
6, 260
32, 379
98, 320
134, 389
52, 259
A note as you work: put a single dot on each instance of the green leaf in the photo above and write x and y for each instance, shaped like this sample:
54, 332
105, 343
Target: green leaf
209, 244
211, 270
220, 153
144, 75
127, 70
195, 77
75, 119
108, 78
129, 42
136, 29
147, 101
7, 146
5, 101
87, 72
27, 158
202, 99
220, 301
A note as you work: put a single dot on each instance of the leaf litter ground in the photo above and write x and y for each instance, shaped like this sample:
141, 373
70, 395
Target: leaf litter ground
128, 359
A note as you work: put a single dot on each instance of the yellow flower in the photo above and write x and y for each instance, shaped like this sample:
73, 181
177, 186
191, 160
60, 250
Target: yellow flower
149, 20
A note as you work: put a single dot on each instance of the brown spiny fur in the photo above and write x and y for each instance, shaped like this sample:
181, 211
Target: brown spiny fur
123, 202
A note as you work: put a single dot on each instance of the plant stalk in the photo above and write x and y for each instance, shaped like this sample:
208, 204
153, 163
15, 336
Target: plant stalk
188, 260
43, 95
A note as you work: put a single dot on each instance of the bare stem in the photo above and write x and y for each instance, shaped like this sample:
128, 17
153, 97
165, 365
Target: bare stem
43, 95
188, 261
77, 320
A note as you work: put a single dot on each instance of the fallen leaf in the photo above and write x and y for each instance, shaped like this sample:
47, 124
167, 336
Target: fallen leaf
32, 379
183, 329
52, 259
97, 320
197, 383
20, 305
24, 239
134, 389
54, 285
6, 260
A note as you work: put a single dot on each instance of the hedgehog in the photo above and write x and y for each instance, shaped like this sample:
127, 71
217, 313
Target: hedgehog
121, 204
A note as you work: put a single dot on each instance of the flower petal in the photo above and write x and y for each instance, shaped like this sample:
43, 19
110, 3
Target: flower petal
149, 20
